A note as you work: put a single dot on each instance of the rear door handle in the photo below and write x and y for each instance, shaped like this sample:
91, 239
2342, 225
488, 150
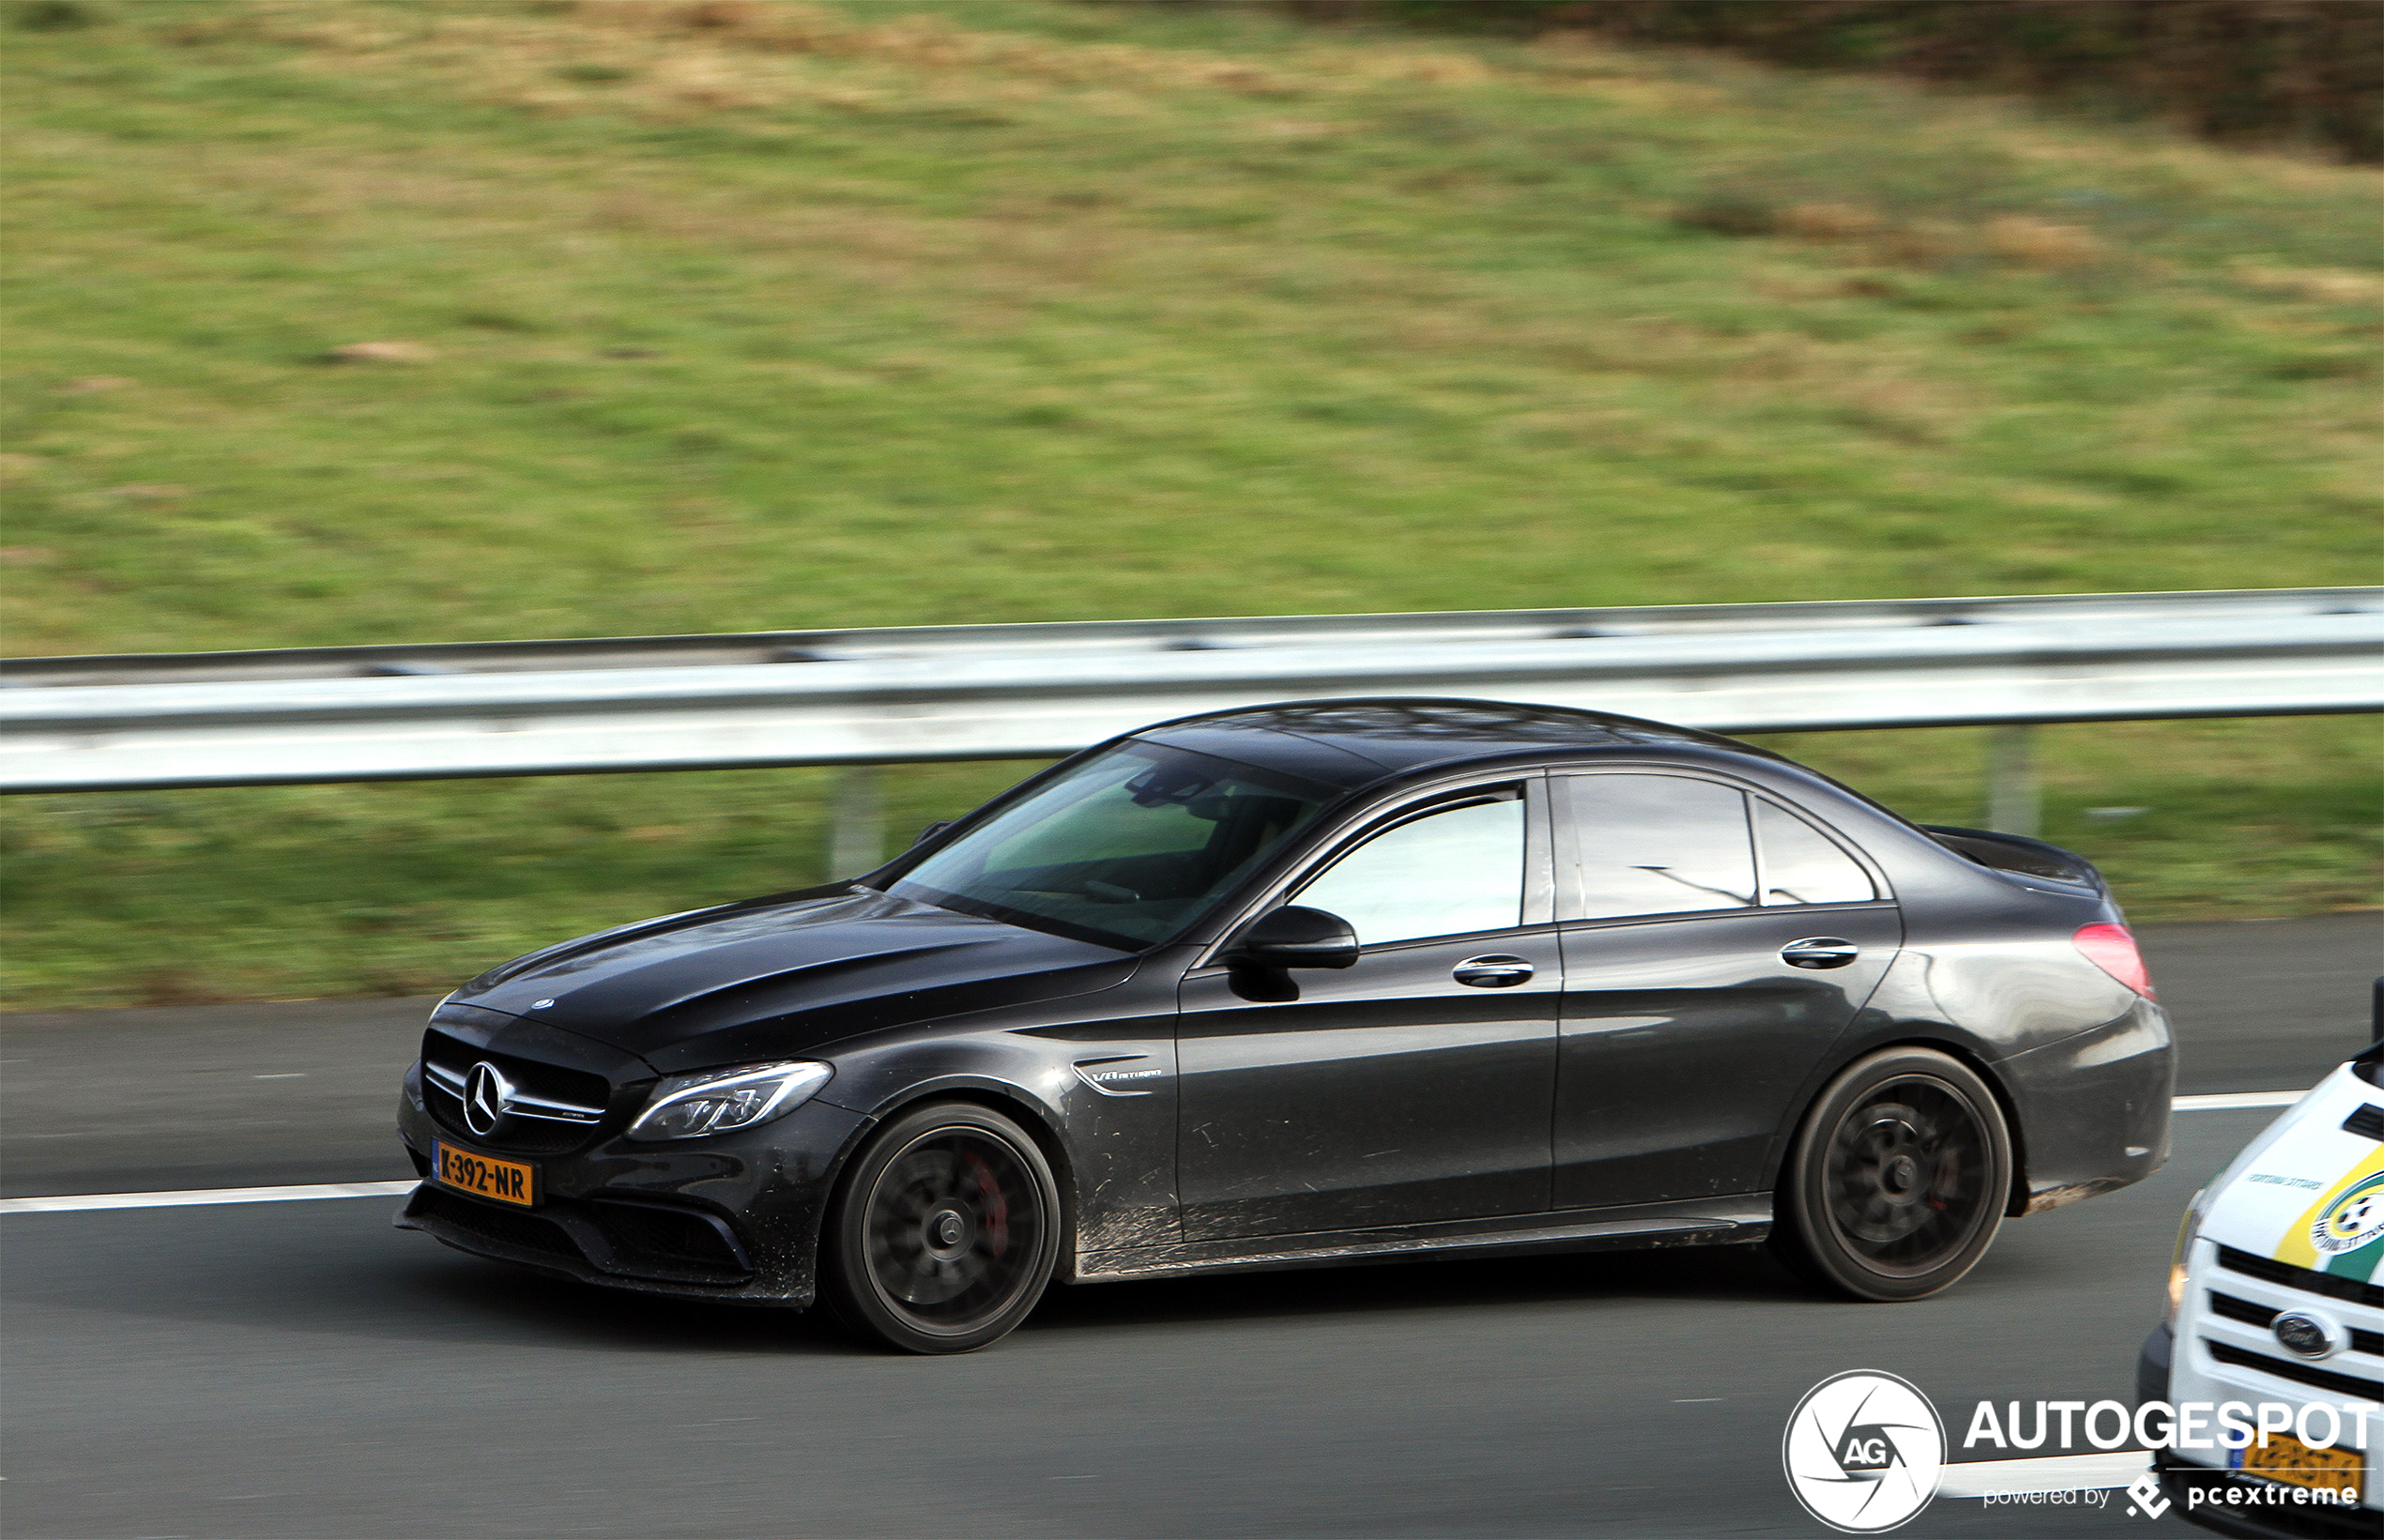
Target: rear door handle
1494, 972
1820, 951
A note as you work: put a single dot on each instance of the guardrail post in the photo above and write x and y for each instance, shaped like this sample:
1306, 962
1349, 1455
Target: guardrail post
856, 823
2015, 800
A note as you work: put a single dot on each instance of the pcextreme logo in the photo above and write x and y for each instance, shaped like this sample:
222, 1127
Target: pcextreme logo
1862, 1451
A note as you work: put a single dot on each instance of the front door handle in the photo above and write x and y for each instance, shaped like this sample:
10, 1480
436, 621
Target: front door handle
1494, 972
1820, 951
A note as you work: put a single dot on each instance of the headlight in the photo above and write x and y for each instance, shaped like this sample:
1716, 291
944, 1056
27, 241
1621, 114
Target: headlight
716, 1101
2188, 1228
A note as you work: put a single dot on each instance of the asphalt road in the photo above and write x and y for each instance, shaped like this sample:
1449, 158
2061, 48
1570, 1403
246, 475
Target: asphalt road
301, 1369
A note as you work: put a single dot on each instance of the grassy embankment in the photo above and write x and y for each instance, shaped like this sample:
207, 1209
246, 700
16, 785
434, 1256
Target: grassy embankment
741, 316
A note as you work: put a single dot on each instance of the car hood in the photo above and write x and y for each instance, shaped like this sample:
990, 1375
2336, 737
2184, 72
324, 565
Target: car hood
776, 978
2305, 1192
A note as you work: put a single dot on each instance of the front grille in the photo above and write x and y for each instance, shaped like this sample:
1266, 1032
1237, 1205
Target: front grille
2286, 1276
2345, 1384
2243, 1310
519, 1136
679, 1238
556, 1109
501, 1226
628, 1239
2254, 1313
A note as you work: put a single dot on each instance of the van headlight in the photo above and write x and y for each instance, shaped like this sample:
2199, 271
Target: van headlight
716, 1101
2181, 1261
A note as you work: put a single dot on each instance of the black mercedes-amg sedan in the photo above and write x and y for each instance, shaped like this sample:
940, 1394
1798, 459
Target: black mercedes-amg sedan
1330, 982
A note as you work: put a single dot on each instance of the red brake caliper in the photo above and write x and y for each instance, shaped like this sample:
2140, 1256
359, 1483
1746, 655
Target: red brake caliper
995, 1208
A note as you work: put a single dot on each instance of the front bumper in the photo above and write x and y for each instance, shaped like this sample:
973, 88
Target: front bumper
2221, 1351
733, 1217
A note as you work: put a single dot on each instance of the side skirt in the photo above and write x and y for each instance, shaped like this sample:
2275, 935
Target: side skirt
1703, 1222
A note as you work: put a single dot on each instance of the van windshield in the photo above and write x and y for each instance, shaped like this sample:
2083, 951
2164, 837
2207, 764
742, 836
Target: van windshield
1123, 850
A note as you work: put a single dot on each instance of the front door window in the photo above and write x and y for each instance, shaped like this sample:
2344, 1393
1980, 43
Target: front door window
1449, 873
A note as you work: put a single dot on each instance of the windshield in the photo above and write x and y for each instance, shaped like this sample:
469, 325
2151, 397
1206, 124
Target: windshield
1125, 849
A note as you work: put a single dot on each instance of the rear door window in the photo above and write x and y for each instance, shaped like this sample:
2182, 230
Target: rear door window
1659, 845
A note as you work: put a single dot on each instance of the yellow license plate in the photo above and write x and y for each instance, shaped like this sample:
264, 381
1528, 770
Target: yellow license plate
506, 1180
2288, 1460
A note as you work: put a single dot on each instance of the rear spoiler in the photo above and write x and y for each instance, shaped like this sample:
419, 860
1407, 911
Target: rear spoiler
2018, 854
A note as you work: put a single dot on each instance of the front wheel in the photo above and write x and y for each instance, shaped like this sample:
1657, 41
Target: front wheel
1896, 1183
945, 1232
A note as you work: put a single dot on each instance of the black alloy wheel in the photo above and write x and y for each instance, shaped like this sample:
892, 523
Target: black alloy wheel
1898, 1180
945, 1232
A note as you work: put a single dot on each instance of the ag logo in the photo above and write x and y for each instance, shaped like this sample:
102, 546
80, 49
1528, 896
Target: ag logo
1862, 1451
2352, 1220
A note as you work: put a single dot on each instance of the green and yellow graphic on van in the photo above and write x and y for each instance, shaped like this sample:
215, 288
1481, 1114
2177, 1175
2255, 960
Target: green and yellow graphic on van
2343, 1232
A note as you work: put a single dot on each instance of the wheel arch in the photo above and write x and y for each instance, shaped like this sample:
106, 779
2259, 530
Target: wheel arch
1012, 1101
1968, 1056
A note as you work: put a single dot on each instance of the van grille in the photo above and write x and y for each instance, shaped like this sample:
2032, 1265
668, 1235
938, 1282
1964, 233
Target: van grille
2286, 1276
2346, 1384
2255, 1313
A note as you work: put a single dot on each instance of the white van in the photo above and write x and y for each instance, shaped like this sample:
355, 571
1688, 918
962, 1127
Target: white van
2272, 1357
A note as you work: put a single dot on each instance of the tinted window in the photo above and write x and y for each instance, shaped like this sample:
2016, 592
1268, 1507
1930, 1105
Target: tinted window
1124, 849
1443, 874
1659, 845
1800, 866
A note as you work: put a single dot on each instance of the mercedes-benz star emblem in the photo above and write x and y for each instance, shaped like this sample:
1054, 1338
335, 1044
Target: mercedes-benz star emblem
487, 1098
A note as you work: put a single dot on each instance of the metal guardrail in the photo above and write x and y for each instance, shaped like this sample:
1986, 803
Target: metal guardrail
1043, 690
864, 697
859, 698
1127, 636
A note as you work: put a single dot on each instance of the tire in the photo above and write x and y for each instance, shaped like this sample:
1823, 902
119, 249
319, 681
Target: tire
1897, 1180
944, 1233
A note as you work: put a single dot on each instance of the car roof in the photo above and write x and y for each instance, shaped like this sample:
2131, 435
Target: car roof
1354, 742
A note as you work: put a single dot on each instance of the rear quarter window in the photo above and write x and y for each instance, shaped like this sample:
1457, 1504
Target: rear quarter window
1802, 865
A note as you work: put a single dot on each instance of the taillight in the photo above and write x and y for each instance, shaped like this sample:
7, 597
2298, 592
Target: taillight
2111, 949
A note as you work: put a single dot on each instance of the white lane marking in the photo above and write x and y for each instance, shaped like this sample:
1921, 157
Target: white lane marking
394, 1189
2053, 1473
2227, 1099
196, 1197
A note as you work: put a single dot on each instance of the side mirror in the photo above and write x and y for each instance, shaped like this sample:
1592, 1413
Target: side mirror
931, 832
1293, 936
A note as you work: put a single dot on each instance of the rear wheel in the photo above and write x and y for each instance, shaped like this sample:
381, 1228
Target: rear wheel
1896, 1183
945, 1232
